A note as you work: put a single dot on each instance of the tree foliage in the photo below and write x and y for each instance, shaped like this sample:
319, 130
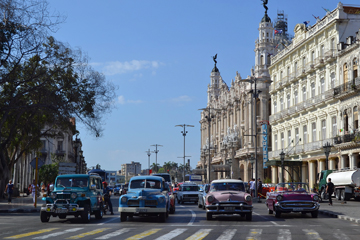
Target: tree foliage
43, 82
48, 172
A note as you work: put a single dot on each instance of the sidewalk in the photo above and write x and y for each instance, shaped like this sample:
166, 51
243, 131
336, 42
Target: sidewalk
22, 204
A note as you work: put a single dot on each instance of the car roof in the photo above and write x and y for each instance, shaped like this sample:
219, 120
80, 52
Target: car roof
227, 181
147, 177
76, 176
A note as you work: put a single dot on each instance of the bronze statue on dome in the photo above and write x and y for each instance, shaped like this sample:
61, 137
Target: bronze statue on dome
265, 2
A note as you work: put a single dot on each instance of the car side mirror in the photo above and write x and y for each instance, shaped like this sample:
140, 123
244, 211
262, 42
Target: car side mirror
93, 187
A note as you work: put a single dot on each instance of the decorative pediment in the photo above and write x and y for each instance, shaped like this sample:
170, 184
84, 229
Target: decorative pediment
322, 115
332, 111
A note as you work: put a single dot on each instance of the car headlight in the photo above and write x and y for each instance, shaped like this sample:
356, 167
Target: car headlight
161, 200
53, 195
248, 198
316, 198
279, 197
73, 195
123, 199
210, 198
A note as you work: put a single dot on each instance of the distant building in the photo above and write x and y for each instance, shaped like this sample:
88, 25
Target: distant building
131, 169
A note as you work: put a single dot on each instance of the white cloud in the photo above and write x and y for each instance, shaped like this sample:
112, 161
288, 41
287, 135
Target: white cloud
122, 101
184, 98
113, 68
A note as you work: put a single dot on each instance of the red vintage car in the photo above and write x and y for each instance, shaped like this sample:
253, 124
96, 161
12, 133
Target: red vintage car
228, 197
292, 197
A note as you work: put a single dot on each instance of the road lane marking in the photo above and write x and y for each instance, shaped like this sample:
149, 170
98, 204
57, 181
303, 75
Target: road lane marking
193, 216
172, 234
199, 234
144, 234
58, 233
284, 234
31, 233
112, 219
311, 234
96, 231
338, 234
254, 234
228, 234
114, 234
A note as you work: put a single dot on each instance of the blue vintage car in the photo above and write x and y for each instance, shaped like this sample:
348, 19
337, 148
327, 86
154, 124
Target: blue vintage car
146, 196
74, 194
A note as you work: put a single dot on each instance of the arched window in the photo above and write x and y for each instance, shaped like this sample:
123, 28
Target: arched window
356, 118
288, 101
275, 107
304, 94
281, 104
332, 77
322, 85
296, 98
312, 90
345, 74
262, 60
355, 68
314, 131
305, 134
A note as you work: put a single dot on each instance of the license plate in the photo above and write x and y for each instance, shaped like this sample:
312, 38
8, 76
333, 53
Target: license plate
298, 209
61, 210
141, 210
229, 208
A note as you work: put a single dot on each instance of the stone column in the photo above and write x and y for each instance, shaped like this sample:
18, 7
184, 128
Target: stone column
274, 174
342, 161
304, 172
352, 160
235, 174
312, 174
322, 163
331, 164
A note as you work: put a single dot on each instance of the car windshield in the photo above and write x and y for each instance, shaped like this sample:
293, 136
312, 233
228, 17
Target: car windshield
190, 188
71, 182
238, 186
145, 183
292, 187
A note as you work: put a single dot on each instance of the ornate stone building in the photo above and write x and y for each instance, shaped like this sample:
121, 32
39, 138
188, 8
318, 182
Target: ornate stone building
314, 97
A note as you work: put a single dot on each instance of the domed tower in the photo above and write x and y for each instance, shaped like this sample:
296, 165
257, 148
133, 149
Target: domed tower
215, 80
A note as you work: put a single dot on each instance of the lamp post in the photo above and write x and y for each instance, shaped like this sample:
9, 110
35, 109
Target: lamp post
184, 134
148, 152
327, 149
282, 157
156, 152
81, 156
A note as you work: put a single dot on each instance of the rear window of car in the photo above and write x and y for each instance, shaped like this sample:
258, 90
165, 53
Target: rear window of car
145, 183
227, 186
190, 188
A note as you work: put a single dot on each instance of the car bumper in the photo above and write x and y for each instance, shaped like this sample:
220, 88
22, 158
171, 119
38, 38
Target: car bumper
296, 206
229, 208
141, 210
69, 209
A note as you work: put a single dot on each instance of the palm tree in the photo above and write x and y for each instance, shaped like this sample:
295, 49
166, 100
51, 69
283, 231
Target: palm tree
154, 167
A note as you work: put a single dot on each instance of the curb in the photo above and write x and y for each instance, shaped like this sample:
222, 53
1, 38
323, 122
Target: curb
19, 210
342, 217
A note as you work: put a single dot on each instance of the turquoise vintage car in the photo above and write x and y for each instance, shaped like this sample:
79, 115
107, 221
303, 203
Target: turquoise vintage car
74, 194
146, 196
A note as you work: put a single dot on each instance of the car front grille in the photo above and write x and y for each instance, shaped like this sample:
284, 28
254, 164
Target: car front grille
65, 196
191, 195
151, 202
297, 204
133, 202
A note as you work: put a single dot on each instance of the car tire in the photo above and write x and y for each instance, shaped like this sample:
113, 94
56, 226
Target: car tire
277, 214
343, 195
123, 217
86, 215
248, 216
270, 211
99, 213
44, 217
314, 214
162, 217
208, 216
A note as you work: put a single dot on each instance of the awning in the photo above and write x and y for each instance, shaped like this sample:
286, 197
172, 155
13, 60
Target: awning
286, 163
221, 168
199, 171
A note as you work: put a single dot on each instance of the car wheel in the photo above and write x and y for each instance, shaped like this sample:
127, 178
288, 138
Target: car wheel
277, 214
62, 216
208, 216
314, 214
44, 217
123, 217
162, 217
248, 216
342, 195
85, 215
270, 211
99, 213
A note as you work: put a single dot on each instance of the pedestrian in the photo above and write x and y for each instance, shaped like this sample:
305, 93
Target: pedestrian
9, 190
330, 190
34, 189
107, 195
259, 187
252, 187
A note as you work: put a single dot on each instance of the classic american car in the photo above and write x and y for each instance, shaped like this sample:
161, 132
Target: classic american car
74, 194
146, 196
228, 197
188, 192
292, 197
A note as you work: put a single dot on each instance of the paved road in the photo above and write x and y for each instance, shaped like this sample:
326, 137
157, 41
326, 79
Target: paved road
188, 222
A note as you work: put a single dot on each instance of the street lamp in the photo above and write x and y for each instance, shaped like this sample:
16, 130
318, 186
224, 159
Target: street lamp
148, 152
184, 134
81, 156
282, 157
156, 152
252, 160
327, 149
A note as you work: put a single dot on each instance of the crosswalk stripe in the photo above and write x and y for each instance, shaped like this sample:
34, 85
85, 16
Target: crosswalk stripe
144, 234
284, 234
340, 235
96, 231
254, 234
199, 234
311, 234
31, 233
114, 234
172, 234
228, 234
58, 233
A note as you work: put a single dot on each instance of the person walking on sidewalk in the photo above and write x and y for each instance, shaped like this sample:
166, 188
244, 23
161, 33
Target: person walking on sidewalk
34, 188
330, 190
9, 190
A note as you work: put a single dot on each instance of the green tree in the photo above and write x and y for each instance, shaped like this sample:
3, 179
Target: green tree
161, 170
48, 172
154, 167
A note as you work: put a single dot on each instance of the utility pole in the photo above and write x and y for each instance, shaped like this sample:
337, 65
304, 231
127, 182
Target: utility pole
184, 134
148, 153
156, 152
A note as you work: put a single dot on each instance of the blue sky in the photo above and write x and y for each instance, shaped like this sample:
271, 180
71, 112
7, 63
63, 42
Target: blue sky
159, 54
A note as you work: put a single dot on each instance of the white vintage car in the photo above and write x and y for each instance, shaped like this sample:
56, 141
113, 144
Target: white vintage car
188, 192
